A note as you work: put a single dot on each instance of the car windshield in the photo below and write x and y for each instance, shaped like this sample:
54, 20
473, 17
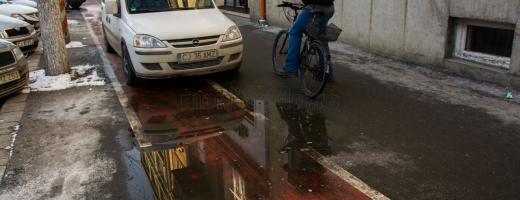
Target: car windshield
140, 6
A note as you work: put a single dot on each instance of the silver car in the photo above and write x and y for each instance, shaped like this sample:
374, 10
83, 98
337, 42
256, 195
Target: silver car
21, 2
24, 13
19, 32
14, 72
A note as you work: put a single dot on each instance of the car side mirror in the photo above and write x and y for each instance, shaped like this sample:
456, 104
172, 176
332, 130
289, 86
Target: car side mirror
111, 7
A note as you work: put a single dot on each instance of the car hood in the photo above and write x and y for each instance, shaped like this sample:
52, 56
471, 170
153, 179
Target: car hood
26, 3
180, 24
7, 22
8, 9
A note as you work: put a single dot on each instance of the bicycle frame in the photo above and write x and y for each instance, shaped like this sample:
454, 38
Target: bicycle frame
304, 53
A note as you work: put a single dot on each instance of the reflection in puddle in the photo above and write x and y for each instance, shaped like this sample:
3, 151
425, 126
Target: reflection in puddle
252, 159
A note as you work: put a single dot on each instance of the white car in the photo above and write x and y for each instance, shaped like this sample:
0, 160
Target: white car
21, 2
18, 32
170, 38
24, 13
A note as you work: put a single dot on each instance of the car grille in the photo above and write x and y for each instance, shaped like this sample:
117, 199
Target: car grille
14, 32
6, 58
13, 86
188, 42
234, 57
152, 66
30, 47
196, 65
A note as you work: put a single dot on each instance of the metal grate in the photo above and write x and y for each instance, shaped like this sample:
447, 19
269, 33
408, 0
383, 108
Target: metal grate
13, 32
6, 58
196, 65
189, 42
152, 66
8, 88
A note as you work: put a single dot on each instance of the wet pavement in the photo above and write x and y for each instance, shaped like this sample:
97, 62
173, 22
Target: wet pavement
208, 147
398, 141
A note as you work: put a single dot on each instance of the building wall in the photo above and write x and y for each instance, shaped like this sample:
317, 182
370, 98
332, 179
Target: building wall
412, 30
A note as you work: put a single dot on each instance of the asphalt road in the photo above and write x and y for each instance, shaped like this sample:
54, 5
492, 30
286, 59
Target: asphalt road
407, 131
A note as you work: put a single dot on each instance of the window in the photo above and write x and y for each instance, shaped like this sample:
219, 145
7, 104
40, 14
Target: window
141, 6
489, 43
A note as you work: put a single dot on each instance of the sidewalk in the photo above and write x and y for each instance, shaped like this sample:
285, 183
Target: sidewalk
69, 142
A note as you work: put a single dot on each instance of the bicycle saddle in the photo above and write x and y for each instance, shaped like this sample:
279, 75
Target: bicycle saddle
317, 11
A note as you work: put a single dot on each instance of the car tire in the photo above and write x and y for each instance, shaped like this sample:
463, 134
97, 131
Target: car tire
236, 69
128, 68
108, 48
75, 5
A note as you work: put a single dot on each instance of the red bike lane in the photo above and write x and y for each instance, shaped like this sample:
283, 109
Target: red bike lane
207, 146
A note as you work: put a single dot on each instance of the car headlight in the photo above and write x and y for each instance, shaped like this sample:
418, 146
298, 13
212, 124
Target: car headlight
30, 29
146, 41
17, 51
17, 16
232, 34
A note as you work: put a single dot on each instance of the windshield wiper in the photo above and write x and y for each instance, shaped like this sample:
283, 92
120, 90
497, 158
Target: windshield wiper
146, 10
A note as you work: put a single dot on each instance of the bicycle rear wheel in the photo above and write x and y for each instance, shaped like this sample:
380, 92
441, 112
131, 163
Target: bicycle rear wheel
313, 76
280, 49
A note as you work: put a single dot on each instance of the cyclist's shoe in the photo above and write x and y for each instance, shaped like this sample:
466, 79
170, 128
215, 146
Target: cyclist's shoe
288, 73
330, 79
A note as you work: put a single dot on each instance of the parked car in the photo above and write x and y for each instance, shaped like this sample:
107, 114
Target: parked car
14, 73
74, 3
19, 32
164, 39
21, 2
24, 13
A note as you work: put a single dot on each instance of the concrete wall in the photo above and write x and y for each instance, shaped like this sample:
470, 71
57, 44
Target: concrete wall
254, 9
412, 30
515, 58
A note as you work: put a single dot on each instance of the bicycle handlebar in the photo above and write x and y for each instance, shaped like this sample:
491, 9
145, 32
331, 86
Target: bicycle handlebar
290, 5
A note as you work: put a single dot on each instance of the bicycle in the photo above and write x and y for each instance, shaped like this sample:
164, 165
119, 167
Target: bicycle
314, 60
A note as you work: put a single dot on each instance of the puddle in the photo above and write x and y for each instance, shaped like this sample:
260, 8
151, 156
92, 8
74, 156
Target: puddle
207, 147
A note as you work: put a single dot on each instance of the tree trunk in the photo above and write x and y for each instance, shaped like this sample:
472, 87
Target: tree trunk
54, 50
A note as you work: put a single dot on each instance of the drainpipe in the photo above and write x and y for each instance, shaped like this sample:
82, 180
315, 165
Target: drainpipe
262, 20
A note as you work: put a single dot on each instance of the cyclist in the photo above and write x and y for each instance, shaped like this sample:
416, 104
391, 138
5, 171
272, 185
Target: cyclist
297, 29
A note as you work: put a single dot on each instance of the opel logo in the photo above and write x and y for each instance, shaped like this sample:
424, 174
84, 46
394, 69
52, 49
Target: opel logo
17, 28
195, 42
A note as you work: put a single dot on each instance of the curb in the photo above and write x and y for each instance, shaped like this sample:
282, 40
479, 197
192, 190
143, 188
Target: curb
235, 13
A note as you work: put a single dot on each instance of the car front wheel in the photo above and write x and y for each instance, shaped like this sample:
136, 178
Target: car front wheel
128, 68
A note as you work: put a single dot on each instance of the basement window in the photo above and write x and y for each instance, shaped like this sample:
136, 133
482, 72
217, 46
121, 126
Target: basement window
489, 43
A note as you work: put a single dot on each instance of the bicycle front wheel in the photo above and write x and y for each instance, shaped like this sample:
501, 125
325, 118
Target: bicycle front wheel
280, 50
313, 76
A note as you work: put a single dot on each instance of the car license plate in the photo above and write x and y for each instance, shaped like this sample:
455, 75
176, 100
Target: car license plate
25, 43
11, 76
196, 56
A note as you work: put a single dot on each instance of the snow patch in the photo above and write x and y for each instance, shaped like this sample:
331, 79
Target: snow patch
72, 22
83, 75
75, 44
270, 29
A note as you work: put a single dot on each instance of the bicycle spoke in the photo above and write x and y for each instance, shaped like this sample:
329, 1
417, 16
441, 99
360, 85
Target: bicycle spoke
313, 73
